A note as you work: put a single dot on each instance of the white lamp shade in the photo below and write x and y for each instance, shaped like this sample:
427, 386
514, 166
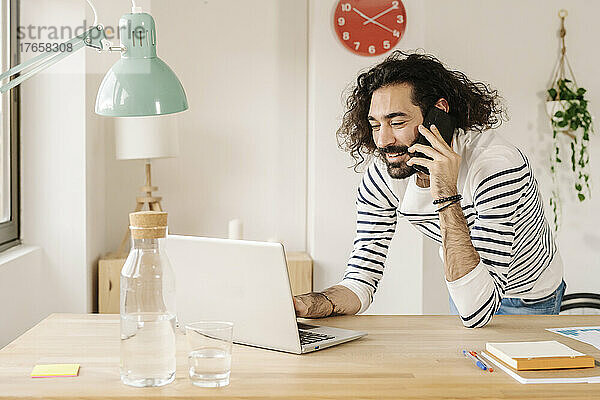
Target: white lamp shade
147, 137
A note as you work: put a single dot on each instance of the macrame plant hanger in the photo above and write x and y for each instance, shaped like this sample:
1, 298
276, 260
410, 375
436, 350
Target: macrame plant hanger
561, 68
559, 117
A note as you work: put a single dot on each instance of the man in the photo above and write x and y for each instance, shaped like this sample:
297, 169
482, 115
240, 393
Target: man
480, 201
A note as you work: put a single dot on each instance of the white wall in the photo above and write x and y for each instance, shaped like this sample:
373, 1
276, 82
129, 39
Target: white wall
434, 291
53, 161
243, 140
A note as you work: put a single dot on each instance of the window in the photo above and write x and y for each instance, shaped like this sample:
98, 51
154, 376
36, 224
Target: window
9, 129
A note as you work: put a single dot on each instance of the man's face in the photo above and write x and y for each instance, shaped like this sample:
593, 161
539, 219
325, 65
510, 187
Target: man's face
394, 122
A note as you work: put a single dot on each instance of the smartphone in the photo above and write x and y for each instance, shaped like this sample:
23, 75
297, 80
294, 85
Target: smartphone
445, 124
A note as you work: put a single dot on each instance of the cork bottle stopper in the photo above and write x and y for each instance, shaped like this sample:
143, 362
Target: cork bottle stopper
148, 224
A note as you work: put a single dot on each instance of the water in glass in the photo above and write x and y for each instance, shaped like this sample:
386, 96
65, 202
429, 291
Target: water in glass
210, 367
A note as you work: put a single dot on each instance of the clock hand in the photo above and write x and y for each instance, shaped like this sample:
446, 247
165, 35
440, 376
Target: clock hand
371, 20
383, 26
360, 13
379, 15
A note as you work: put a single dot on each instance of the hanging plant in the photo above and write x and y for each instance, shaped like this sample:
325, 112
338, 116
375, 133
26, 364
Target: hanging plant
570, 115
567, 108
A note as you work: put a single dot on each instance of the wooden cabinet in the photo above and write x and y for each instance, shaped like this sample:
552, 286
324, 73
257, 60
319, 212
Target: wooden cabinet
109, 278
300, 270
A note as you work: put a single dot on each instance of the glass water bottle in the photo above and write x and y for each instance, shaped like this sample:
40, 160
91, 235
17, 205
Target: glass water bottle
147, 305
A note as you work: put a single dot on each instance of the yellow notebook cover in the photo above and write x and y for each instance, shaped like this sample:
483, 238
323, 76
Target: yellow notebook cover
539, 355
55, 370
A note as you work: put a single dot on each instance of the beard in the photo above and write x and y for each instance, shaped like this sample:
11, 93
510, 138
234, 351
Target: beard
396, 170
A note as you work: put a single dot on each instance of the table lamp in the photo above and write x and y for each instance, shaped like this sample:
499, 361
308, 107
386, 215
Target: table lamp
139, 84
146, 138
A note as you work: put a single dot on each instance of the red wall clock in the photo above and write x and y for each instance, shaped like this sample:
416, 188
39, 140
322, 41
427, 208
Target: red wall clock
369, 27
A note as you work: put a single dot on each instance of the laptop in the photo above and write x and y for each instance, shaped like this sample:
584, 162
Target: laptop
246, 283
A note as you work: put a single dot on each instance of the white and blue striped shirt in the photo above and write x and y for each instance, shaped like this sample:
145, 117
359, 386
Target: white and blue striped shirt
504, 213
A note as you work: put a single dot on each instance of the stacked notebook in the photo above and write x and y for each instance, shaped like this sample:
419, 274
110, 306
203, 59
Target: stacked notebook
538, 355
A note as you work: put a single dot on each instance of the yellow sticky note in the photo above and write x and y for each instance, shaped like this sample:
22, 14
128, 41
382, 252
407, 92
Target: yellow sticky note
55, 370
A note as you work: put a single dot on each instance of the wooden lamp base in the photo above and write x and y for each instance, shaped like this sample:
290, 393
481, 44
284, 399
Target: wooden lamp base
153, 203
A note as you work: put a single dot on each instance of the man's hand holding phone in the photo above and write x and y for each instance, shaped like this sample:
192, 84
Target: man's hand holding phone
444, 166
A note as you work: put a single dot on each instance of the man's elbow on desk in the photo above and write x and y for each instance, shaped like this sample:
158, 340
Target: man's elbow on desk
474, 297
477, 324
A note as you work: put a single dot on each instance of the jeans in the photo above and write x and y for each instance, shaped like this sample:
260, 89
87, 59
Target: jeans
549, 305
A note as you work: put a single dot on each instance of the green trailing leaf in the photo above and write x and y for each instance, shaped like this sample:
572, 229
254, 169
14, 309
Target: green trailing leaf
575, 117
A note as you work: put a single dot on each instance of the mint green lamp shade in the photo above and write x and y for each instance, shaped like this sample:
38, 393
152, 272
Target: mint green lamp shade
139, 84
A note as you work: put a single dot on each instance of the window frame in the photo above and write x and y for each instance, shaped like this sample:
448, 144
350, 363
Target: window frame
10, 231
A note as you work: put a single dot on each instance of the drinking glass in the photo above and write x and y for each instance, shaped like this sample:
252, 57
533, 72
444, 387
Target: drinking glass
209, 356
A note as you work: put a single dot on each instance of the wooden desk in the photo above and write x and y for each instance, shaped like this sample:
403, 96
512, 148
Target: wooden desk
403, 357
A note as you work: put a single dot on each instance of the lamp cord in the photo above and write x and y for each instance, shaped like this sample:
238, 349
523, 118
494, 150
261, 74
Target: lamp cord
94, 10
96, 13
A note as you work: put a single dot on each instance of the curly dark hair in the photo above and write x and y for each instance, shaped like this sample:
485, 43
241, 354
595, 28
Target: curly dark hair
474, 105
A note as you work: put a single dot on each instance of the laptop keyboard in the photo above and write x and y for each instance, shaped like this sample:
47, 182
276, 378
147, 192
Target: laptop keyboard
307, 337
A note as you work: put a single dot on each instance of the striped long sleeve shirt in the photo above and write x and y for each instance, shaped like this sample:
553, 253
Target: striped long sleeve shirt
504, 212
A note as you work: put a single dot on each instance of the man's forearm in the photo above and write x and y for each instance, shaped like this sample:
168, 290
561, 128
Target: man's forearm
460, 257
